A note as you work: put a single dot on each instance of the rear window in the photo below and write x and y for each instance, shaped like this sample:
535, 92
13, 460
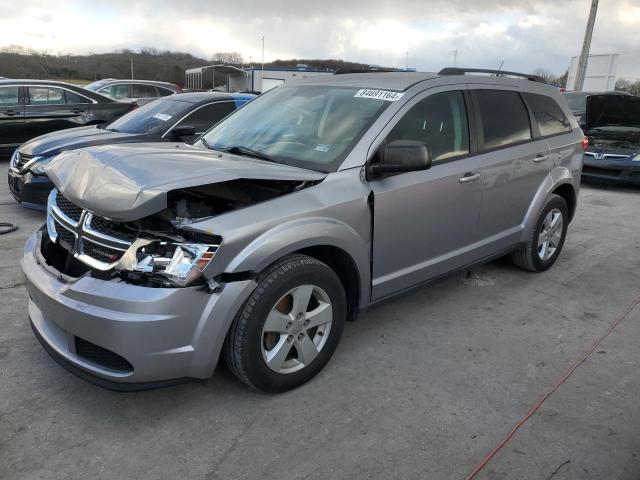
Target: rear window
505, 119
143, 91
548, 114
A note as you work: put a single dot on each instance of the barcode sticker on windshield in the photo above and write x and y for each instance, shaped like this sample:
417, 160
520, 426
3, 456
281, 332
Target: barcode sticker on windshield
162, 116
379, 94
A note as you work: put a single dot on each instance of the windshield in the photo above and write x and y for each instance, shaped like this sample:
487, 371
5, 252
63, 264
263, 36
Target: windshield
95, 85
153, 117
308, 126
577, 101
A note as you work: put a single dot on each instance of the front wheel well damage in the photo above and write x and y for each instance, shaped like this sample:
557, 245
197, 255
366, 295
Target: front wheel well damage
568, 193
345, 267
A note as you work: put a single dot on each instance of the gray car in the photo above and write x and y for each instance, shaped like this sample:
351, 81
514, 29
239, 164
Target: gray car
308, 205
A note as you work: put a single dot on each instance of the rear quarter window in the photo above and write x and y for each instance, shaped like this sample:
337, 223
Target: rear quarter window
548, 114
505, 119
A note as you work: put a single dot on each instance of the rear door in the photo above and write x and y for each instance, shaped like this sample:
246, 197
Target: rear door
425, 222
12, 133
47, 110
515, 163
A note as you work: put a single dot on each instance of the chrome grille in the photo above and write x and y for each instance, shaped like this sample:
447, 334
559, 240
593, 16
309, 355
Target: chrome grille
69, 209
604, 156
97, 241
20, 162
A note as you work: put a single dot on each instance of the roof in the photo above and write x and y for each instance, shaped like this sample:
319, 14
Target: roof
69, 86
203, 97
390, 80
107, 81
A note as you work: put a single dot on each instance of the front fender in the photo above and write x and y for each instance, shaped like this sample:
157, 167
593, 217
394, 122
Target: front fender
303, 233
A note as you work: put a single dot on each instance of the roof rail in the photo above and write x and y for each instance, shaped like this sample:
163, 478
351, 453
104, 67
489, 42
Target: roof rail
345, 70
462, 71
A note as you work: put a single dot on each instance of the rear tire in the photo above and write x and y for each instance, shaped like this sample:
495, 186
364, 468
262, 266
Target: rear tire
289, 327
547, 238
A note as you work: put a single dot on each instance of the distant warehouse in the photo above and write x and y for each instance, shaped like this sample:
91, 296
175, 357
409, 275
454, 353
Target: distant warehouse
235, 79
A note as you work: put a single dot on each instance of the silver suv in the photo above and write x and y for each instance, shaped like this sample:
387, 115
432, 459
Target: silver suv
299, 210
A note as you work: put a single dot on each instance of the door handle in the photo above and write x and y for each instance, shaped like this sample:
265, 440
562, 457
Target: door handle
10, 113
540, 158
469, 177
76, 110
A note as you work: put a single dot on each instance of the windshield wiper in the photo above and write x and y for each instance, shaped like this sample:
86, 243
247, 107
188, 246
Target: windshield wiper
240, 150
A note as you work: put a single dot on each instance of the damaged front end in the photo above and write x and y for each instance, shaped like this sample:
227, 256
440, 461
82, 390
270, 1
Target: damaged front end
164, 249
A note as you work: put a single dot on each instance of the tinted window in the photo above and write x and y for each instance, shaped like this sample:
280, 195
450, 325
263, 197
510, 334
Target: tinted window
164, 91
206, 117
9, 95
117, 92
438, 121
46, 96
75, 98
143, 91
505, 119
155, 117
577, 101
548, 114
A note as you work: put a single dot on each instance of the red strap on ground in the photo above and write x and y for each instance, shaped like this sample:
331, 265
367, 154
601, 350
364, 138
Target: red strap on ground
552, 389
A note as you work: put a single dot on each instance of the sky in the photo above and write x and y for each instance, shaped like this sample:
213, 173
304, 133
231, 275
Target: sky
523, 35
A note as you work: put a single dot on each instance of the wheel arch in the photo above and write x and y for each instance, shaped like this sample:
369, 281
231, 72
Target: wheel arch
568, 193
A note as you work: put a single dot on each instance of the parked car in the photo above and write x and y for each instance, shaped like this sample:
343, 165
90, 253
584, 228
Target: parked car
30, 108
313, 202
612, 124
577, 102
138, 91
179, 118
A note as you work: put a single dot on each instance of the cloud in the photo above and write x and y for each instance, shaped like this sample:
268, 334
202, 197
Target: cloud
525, 35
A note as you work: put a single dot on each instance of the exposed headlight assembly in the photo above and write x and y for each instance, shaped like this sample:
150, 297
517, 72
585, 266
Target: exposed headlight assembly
181, 264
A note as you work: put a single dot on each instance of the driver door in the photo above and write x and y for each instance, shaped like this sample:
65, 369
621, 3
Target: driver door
426, 222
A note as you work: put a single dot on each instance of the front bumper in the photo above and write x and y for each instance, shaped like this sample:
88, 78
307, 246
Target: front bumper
164, 334
30, 190
611, 171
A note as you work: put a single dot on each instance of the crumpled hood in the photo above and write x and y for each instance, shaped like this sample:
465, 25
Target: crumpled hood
612, 110
55, 142
128, 182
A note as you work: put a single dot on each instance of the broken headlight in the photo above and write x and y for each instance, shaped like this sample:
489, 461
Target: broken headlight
179, 263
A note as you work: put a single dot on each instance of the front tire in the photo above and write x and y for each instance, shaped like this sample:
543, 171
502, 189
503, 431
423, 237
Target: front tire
289, 327
547, 238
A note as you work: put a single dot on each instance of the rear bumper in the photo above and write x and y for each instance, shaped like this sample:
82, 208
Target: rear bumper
164, 335
30, 190
619, 172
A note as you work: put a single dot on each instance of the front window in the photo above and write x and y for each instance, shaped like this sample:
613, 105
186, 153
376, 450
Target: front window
154, 117
308, 126
117, 92
46, 96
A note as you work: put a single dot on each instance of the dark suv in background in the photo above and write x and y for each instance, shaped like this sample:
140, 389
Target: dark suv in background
30, 108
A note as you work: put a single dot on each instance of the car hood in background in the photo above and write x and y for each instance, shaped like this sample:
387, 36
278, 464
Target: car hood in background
72, 138
612, 110
128, 182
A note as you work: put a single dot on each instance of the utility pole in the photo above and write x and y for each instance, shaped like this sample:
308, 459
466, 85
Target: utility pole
586, 45
455, 57
407, 64
262, 52
131, 68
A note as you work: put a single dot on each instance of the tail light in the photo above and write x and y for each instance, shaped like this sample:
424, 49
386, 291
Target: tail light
585, 143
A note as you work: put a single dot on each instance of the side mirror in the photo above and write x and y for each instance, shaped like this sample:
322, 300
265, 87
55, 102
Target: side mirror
183, 131
403, 156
